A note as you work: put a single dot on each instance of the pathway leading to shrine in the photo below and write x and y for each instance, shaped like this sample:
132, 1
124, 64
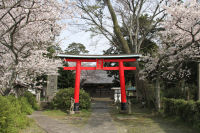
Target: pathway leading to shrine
101, 121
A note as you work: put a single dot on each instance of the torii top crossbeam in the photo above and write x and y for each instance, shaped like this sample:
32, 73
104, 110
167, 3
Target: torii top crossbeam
99, 59
99, 56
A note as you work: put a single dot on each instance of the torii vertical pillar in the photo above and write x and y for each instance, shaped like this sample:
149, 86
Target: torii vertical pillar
122, 85
77, 86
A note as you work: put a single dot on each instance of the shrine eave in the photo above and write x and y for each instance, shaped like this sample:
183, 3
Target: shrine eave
125, 56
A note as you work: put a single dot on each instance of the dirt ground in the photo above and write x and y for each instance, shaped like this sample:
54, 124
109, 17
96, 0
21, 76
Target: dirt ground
104, 119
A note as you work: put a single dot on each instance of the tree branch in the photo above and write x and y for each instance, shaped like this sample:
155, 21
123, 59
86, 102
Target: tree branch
13, 26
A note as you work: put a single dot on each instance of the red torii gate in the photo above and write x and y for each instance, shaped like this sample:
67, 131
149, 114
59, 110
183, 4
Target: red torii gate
99, 59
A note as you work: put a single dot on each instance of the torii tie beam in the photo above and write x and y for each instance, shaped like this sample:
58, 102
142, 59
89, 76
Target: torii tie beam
100, 60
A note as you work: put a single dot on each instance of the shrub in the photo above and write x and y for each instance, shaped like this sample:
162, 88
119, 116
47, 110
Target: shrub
188, 111
178, 93
25, 106
62, 100
197, 114
11, 116
31, 100
21, 104
174, 92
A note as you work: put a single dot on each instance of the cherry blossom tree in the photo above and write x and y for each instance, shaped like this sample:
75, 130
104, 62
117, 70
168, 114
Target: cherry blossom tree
28, 27
27, 70
180, 41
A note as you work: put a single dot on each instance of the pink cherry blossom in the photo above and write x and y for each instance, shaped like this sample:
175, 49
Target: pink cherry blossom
180, 41
28, 27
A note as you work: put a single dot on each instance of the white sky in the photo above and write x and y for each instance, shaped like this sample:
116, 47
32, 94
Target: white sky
71, 34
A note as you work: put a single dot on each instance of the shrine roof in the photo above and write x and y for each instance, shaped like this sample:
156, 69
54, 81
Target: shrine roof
125, 56
96, 77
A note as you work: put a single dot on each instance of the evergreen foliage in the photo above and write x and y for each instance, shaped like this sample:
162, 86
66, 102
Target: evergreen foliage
13, 113
188, 111
187, 92
76, 48
65, 78
31, 100
21, 104
62, 100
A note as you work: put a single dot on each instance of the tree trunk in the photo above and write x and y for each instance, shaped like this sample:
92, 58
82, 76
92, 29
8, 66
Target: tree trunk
158, 93
198, 80
182, 85
12, 80
188, 93
117, 30
1, 92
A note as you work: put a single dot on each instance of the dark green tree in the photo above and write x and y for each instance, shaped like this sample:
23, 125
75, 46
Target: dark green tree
76, 48
65, 78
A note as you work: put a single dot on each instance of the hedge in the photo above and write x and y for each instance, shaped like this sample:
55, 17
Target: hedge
62, 100
21, 103
13, 113
188, 111
31, 100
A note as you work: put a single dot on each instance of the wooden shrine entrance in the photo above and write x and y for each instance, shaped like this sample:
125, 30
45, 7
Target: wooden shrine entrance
99, 59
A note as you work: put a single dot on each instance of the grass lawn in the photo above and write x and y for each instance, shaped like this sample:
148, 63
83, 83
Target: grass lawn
33, 128
57, 114
145, 121
79, 119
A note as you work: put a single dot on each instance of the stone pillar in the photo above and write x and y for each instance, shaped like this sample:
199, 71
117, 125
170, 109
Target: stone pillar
38, 96
51, 90
129, 106
158, 105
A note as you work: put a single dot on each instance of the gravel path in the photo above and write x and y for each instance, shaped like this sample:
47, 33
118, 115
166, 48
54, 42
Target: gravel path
51, 125
99, 122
